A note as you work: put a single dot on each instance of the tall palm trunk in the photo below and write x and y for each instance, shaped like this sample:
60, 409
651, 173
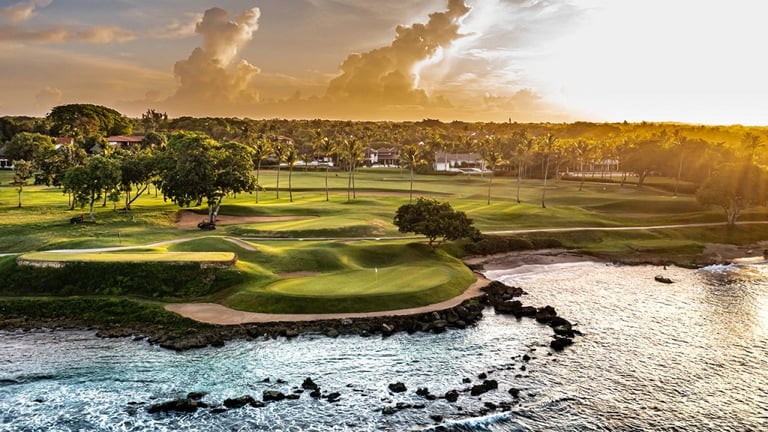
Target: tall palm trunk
544, 190
326, 182
410, 197
277, 188
258, 183
290, 186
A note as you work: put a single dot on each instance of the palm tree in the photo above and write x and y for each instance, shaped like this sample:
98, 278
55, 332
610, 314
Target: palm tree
752, 142
524, 146
261, 149
291, 157
324, 147
279, 150
546, 145
352, 152
411, 156
493, 157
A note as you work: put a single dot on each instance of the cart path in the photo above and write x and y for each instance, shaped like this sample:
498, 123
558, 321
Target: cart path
212, 313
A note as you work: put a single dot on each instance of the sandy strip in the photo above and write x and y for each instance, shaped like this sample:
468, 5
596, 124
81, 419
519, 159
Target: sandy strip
213, 313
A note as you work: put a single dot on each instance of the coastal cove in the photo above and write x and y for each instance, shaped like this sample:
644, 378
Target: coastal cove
646, 352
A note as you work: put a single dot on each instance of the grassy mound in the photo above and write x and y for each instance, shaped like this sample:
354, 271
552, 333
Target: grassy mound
131, 257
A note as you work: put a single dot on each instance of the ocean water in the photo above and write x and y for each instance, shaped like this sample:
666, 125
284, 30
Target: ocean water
689, 356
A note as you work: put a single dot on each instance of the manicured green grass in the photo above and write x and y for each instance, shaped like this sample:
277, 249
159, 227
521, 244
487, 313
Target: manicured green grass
364, 275
132, 257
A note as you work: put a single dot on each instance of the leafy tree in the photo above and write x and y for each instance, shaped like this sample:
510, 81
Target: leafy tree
234, 174
100, 177
22, 172
28, 146
137, 171
154, 142
735, 187
411, 156
81, 120
435, 220
194, 168
153, 120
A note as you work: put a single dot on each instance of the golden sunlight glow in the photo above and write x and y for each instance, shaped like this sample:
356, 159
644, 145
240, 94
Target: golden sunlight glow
684, 60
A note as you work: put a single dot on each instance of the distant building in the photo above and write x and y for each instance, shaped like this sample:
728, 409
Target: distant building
386, 156
4, 162
121, 141
452, 161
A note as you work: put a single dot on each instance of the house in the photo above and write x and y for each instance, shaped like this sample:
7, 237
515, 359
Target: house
122, 141
4, 162
386, 156
452, 161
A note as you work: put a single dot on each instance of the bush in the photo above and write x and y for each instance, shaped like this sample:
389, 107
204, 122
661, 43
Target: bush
488, 245
148, 280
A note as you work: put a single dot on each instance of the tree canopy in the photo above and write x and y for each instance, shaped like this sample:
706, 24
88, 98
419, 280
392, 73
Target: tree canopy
81, 120
435, 220
735, 187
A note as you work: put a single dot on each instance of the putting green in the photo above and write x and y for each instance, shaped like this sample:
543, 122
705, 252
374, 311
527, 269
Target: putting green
402, 279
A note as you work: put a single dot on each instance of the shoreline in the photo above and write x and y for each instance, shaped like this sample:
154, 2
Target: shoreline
213, 325
213, 313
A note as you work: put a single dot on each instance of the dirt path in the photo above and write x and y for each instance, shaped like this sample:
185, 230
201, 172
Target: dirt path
212, 313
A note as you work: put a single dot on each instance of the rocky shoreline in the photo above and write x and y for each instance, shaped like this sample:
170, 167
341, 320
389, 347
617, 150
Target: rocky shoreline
496, 295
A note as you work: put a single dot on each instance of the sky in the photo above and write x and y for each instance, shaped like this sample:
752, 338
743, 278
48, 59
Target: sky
695, 61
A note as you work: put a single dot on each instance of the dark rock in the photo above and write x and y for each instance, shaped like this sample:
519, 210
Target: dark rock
397, 387
559, 343
422, 391
281, 381
389, 410
482, 376
308, 384
545, 314
293, 396
218, 410
452, 396
196, 395
561, 326
437, 418
177, 405
491, 406
466, 380
239, 402
315, 394
332, 333
333, 397
515, 392
526, 357
265, 380
486, 386
272, 395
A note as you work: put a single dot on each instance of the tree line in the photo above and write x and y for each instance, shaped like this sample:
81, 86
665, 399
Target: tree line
725, 163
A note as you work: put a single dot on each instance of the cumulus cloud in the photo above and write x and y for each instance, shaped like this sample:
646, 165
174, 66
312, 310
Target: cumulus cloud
178, 28
22, 11
211, 76
390, 75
